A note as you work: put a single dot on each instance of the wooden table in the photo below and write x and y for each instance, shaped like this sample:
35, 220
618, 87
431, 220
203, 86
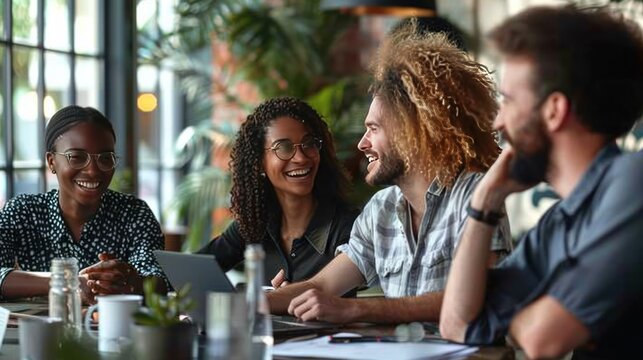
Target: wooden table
11, 349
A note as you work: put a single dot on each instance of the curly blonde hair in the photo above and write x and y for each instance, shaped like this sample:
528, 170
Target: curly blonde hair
442, 104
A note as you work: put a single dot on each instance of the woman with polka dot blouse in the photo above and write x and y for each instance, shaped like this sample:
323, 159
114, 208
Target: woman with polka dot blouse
112, 235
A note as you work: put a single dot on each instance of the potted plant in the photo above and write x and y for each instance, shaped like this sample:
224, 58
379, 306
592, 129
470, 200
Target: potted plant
158, 332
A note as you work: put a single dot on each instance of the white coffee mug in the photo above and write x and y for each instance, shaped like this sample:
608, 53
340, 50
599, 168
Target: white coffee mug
39, 338
115, 320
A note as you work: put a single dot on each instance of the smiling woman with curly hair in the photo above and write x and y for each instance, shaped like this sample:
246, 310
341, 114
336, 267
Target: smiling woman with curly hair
288, 192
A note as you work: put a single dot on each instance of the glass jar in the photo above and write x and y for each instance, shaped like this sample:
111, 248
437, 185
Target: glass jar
65, 296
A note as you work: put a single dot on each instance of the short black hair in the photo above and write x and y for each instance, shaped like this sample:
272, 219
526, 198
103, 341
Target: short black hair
70, 116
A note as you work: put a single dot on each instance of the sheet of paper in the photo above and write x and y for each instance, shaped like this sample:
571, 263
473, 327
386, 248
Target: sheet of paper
4, 320
321, 348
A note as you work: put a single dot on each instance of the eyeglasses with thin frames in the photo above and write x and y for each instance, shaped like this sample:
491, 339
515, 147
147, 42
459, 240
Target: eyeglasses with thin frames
78, 159
286, 149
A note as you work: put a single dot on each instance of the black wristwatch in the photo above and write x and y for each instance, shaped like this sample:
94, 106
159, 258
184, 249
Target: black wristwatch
490, 218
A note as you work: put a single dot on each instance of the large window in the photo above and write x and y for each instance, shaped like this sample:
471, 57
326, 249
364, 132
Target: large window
51, 55
159, 113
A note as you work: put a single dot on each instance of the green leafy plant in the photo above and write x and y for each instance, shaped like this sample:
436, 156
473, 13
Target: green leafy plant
163, 310
282, 48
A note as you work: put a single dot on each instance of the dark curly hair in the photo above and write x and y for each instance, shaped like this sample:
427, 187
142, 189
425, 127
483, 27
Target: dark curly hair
253, 198
592, 56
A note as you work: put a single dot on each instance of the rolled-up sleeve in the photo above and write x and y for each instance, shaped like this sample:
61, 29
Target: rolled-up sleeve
360, 247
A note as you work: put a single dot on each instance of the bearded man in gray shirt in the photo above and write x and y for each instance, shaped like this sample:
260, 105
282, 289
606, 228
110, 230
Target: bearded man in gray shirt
572, 82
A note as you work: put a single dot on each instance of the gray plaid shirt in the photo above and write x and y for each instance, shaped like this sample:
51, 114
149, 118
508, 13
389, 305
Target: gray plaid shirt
383, 247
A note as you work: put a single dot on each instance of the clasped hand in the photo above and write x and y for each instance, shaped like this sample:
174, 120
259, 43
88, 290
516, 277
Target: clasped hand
109, 276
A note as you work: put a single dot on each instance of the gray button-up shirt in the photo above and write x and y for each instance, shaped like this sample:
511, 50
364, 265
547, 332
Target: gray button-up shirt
587, 253
383, 247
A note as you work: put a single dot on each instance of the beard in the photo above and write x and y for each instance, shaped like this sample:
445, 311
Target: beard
532, 150
390, 168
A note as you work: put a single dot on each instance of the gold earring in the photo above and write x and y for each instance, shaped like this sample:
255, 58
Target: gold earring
53, 171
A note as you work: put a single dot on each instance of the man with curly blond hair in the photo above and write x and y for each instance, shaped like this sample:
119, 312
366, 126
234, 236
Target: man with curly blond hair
428, 133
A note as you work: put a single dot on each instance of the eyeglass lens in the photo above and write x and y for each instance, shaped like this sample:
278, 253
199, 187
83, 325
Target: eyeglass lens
79, 159
286, 149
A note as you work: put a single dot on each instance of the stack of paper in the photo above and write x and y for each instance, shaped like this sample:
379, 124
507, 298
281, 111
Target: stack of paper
321, 348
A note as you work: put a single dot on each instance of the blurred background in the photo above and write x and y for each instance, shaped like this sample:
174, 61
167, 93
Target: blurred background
177, 77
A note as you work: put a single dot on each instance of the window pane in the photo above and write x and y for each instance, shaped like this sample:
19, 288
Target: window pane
27, 181
3, 116
57, 83
148, 116
148, 189
3, 188
57, 25
25, 103
89, 82
170, 181
169, 108
25, 26
145, 15
86, 27
2, 21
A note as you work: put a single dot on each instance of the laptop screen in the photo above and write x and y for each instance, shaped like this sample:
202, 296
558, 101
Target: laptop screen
202, 272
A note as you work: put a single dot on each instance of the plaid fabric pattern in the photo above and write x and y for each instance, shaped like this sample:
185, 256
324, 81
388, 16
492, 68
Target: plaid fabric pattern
383, 247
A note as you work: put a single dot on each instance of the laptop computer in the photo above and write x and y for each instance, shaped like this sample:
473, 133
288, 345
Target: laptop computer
202, 272
205, 275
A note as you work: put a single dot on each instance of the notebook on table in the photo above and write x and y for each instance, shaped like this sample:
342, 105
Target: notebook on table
204, 275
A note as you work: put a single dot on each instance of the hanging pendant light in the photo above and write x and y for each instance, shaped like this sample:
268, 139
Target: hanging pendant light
402, 8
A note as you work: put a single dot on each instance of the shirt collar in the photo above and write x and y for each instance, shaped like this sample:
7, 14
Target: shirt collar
318, 229
435, 188
590, 179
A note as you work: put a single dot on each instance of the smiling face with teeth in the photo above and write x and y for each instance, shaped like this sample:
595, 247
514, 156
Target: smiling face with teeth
385, 166
294, 177
83, 187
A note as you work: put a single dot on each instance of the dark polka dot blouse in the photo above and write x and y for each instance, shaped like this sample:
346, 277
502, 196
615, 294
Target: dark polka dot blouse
32, 233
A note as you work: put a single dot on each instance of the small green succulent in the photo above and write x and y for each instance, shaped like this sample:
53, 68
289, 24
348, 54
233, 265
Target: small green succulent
163, 310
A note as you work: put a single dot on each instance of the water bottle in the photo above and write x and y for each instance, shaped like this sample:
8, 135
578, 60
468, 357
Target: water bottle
258, 308
64, 295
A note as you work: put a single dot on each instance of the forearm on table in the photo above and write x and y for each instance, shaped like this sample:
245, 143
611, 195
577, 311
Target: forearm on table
21, 284
546, 329
425, 307
279, 299
338, 277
